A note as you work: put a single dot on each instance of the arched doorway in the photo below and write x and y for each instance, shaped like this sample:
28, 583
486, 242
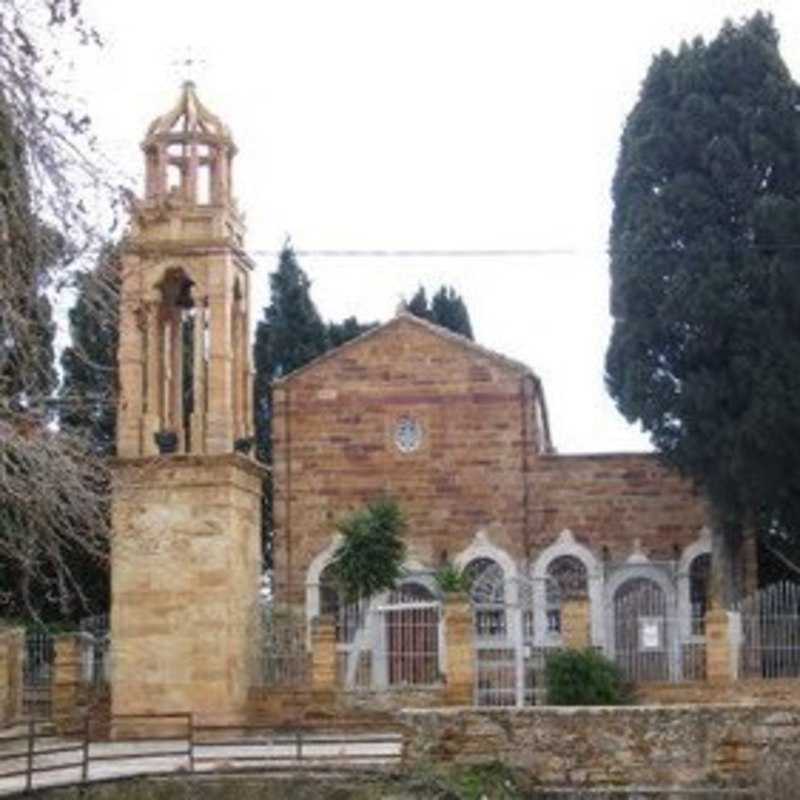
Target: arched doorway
642, 638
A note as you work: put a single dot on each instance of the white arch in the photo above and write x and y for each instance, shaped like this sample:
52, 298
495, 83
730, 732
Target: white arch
701, 546
639, 567
482, 547
313, 575
566, 545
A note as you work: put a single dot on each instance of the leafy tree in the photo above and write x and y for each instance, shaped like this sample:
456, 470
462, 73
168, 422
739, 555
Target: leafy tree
418, 305
705, 350
341, 332
449, 310
370, 558
26, 257
290, 335
446, 308
88, 393
52, 488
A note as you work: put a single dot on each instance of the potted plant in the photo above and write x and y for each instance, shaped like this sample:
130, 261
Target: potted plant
244, 444
451, 580
166, 441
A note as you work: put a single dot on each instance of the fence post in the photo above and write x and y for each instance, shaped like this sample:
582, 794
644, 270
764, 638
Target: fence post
86, 734
191, 742
459, 645
323, 660
719, 647
29, 761
67, 679
12, 647
575, 623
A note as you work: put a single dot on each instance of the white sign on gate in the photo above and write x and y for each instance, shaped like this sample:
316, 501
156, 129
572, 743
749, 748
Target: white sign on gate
650, 633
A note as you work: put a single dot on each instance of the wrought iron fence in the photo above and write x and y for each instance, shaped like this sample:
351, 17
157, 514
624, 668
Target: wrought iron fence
96, 650
770, 632
283, 658
37, 673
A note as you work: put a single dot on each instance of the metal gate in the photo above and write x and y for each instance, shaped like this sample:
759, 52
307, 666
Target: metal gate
509, 666
393, 641
647, 638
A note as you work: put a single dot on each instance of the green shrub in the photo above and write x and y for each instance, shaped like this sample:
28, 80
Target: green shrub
583, 678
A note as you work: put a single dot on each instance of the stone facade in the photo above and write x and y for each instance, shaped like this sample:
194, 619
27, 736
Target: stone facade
185, 578
484, 467
678, 747
186, 552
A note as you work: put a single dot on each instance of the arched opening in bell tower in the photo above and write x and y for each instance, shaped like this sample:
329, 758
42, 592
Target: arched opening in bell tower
181, 359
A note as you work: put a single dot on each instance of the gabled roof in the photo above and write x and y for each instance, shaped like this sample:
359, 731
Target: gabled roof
407, 317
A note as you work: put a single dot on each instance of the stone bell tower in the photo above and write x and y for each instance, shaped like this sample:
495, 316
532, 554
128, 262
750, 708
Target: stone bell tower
186, 552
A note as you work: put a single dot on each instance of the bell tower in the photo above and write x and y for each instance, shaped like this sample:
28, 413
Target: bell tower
185, 363
186, 503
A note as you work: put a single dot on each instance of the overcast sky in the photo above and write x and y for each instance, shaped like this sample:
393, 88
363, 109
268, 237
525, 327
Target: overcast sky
421, 124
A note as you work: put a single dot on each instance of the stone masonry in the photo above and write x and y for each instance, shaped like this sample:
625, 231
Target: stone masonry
485, 461
186, 552
186, 573
677, 747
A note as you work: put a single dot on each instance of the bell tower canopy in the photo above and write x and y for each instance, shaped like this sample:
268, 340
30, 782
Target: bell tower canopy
188, 154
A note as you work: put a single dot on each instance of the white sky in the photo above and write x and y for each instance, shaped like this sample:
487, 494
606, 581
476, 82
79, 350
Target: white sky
421, 124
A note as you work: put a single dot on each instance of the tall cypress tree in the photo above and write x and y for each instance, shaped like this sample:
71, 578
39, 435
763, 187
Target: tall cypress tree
88, 393
705, 350
446, 308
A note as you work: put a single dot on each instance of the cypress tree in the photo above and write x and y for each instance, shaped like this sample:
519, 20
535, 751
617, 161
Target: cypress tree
446, 308
88, 393
705, 350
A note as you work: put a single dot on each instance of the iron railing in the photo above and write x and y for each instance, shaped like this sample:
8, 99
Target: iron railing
34, 756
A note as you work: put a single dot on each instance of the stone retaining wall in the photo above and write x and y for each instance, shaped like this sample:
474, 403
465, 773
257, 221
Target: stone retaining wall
12, 644
603, 748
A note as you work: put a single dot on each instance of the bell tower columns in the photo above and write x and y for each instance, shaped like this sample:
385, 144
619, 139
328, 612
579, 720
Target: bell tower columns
186, 552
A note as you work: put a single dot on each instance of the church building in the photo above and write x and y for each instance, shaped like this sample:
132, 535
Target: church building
457, 434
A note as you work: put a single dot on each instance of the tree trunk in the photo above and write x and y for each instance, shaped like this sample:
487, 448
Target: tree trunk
727, 568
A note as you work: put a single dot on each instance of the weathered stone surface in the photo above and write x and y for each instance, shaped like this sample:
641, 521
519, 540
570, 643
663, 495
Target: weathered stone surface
186, 568
602, 748
483, 462
12, 643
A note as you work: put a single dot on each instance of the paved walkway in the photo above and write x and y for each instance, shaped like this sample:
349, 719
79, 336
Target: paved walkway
108, 760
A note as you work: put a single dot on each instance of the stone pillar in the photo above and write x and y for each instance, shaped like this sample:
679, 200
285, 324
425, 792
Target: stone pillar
12, 644
68, 679
198, 421
185, 575
131, 377
219, 420
576, 624
460, 667
323, 659
720, 657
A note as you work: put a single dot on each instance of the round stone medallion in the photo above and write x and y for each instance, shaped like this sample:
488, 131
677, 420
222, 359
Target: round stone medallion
407, 435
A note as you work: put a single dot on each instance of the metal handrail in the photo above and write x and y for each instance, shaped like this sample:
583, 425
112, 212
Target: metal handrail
297, 738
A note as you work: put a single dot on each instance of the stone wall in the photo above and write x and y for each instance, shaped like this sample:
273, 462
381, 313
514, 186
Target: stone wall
12, 644
602, 748
481, 465
186, 570
334, 445
610, 500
